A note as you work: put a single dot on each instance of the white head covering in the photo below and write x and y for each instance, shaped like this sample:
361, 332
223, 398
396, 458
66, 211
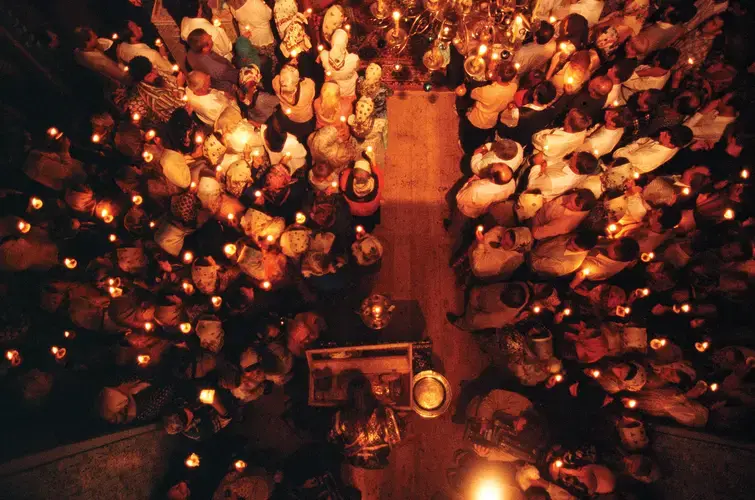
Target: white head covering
364, 188
209, 193
175, 168
338, 51
373, 73
332, 20
289, 78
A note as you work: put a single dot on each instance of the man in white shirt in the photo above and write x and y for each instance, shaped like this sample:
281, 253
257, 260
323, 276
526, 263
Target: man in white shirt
206, 102
555, 143
654, 76
499, 252
501, 151
657, 228
708, 124
89, 54
492, 306
603, 138
476, 196
283, 147
562, 215
555, 179
536, 54
221, 44
647, 154
132, 46
256, 15
621, 71
561, 255
489, 101
606, 260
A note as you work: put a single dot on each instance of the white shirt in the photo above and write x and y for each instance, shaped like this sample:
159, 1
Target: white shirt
661, 35
589, 9
636, 83
601, 140
555, 143
481, 161
646, 154
127, 51
255, 14
346, 76
615, 97
551, 257
209, 107
601, 267
476, 196
221, 44
554, 219
533, 55
555, 180
710, 126
293, 146
488, 261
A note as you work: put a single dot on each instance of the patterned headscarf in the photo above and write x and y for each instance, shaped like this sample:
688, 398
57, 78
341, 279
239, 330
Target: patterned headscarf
289, 79
250, 75
338, 52
332, 20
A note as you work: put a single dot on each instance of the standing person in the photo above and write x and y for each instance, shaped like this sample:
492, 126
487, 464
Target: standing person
340, 65
557, 177
603, 137
89, 54
202, 58
555, 143
489, 101
563, 214
607, 259
365, 429
206, 102
535, 54
519, 124
254, 16
561, 255
152, 96
198, 15
132, 46
296, 95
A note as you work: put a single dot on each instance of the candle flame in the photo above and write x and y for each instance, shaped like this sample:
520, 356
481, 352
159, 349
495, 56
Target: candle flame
52, 131
396, 15
188, 257
359, 229
148, 326
713, 387
185, 327
207, 396
266, 285
96, 138
567, 312
558, 377
112, 238
136, 117
482, 50
192, 461
151, 133
744, 174
596, 373
24, 226
229, 249
729, 214
631, 403
143, 359
198, 138
377, 310
300, 218
240, 465
70, 263
148, 157
216, 300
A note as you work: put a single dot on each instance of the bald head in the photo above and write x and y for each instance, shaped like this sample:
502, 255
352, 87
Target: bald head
501, 173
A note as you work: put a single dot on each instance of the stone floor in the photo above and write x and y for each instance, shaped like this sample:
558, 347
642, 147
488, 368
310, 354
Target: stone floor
422, 165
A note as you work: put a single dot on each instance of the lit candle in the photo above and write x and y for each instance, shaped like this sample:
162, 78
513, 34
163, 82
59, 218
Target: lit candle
216, 22
270, 238
615, 103
207, 396
713, 387
685, 308
112, 238
23, 226
217, 301
96, 138
13, 356
148, 326
334, 184
137, 199
586, 272
396, 17
188, 257
151, 133
552, 19
198, 138
114, 36
563, 47
744, 174
152, 224
482, 50
702, 346
517, 66
148, 157
537, 309
258, 194
347, 27
188, 288
647, 257
686, 191
175, 68
300, 218
369, 149
294, 53
570, 80
558, 464
70, 263
185, 328
328, 73
309, 11
635, 175
397, 67
58, 352
115, 291
185, 97
729, 214
193, 185
343, 119
69, 334
558, 378
494, 56
595, 373
656, 344
691, 61
136, 117
288, 111
632, 403
266, 285
612, 228
158, 42
229, 250
192, 461
240, 465
567, 312
377, 310
320, 48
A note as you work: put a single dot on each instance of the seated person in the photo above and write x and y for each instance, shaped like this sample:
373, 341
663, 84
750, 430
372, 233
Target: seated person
224, 76
89, 54
206, 102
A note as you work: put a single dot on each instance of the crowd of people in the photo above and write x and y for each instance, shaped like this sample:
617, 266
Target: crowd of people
604, 240
185, 255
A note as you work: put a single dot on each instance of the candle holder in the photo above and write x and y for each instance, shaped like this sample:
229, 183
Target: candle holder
380, 10
475, 66
376, 311
396, 36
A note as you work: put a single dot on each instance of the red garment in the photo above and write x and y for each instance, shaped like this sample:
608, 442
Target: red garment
361, 208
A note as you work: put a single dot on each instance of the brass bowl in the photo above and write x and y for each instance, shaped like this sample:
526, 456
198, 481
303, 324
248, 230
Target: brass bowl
431, 394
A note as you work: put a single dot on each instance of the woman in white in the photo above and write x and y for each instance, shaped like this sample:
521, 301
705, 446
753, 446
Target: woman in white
221, 44
341, 66
254, 16
132, 46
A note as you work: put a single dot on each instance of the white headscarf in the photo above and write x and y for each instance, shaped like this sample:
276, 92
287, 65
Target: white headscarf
338, 51
175, 168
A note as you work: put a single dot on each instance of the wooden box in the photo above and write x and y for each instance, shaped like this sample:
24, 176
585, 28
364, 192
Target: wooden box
388, 367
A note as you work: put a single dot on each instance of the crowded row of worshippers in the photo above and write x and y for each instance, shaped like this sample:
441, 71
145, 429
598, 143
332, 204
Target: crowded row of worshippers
603, 235
207, 201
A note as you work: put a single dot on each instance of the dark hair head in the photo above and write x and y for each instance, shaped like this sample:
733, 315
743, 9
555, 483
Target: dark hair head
195, 40
576, 29
536, 493
505, 72
360, 398
687, 104
671, 215
82, 35
681, 12
544, 93
544, 33
505, 149
680, 135
667, 58
514, 295
624, 117
126, 33
585, 199
578, 120
531, 79
624, 68
274, 136
627, 249
586, 240
654, 99
139, 67
587, 164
